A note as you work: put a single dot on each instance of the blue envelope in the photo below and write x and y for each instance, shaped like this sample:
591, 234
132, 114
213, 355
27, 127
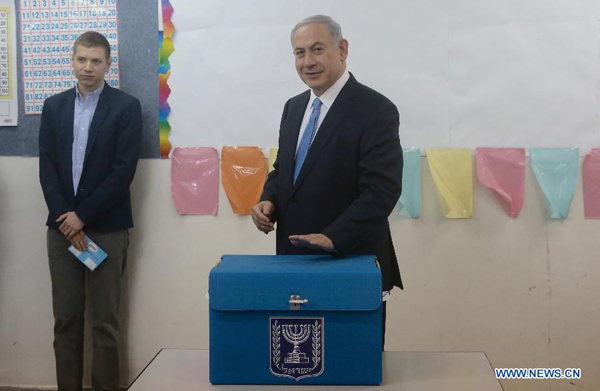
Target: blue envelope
92, 257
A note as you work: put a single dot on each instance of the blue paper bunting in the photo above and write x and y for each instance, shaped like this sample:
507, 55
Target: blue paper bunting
409, 203
556, 171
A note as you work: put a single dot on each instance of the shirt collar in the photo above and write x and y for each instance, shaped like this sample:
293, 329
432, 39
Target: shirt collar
328, 97
94, 94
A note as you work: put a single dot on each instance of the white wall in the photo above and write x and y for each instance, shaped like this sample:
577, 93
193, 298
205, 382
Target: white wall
463, 73
523, 290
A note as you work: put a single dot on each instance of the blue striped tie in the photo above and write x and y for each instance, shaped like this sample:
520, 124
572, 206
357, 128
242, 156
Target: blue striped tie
307, 137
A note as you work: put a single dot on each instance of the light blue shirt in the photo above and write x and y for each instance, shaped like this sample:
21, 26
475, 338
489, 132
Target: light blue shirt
84, 112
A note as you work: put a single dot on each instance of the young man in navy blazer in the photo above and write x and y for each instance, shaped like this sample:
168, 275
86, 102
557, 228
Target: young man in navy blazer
338, 173
89, 147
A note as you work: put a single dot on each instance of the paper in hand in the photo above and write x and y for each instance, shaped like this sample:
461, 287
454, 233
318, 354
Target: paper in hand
92, 257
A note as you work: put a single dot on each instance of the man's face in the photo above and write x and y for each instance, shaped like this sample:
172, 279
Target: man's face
318, 61
89, 65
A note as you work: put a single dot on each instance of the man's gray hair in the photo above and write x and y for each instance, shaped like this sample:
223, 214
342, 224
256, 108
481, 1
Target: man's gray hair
334, 28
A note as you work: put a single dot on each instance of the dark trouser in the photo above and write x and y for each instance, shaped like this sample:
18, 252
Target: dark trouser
383, 322
69, 280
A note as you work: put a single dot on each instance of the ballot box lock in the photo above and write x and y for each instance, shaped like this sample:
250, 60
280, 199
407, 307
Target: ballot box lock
296, 301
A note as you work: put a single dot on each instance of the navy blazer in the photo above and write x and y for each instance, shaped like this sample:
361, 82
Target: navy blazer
350, 181
102, 200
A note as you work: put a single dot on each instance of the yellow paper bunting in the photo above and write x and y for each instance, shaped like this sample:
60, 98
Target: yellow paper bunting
272, 157
452, 173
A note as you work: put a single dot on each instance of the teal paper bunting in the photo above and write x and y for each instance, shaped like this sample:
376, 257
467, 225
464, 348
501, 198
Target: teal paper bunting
556, 171
409, 203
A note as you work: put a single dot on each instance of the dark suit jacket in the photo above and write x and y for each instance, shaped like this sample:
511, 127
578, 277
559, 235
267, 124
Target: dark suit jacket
350, 181
102, 201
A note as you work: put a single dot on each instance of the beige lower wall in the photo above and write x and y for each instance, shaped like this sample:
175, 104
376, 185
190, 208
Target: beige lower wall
523, 290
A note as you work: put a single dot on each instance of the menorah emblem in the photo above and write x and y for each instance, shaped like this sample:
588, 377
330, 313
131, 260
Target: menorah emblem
296, 335
297, 346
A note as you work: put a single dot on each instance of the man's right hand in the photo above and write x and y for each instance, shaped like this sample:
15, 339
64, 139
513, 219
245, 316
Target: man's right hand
261, 215
79, 241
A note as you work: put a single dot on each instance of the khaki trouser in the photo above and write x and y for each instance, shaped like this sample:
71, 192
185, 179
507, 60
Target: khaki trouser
69, 280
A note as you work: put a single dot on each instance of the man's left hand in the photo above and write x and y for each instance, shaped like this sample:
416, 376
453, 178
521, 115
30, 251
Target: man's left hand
313, 241
71, 224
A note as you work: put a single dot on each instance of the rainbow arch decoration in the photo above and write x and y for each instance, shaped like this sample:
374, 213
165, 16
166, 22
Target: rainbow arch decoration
165, 48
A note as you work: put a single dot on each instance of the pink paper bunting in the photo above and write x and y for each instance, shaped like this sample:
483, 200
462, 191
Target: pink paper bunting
502, 170
195, 180
591, 184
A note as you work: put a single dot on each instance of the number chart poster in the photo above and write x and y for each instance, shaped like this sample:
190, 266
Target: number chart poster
9, 109
49, 30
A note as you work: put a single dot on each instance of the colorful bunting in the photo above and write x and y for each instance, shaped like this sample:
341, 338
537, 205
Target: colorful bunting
556, 172
409, 203
452, 171
502, 170
195, 181
591, 184
195, 173
244, 172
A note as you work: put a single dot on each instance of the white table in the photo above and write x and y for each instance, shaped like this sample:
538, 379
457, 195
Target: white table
184, 370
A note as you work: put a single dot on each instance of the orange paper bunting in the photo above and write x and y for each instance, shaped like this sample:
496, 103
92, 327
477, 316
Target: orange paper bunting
243, 173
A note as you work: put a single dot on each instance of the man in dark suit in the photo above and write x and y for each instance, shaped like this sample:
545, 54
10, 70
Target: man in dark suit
338, 173
89, 147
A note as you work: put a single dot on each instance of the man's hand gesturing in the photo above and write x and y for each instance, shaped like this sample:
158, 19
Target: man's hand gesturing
261, 215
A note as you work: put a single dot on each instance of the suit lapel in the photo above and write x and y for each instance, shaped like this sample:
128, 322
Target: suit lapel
67, 113
330, 124
99, 115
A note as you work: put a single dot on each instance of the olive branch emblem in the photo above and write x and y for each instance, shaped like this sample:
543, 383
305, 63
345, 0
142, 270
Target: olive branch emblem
316, 344
276, 344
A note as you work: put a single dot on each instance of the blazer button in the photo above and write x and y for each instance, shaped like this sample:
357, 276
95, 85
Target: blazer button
292, 200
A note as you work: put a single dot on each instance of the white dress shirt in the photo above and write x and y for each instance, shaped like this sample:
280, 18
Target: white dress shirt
327, 98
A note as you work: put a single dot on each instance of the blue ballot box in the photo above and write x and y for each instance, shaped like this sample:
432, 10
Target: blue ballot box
295, 319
